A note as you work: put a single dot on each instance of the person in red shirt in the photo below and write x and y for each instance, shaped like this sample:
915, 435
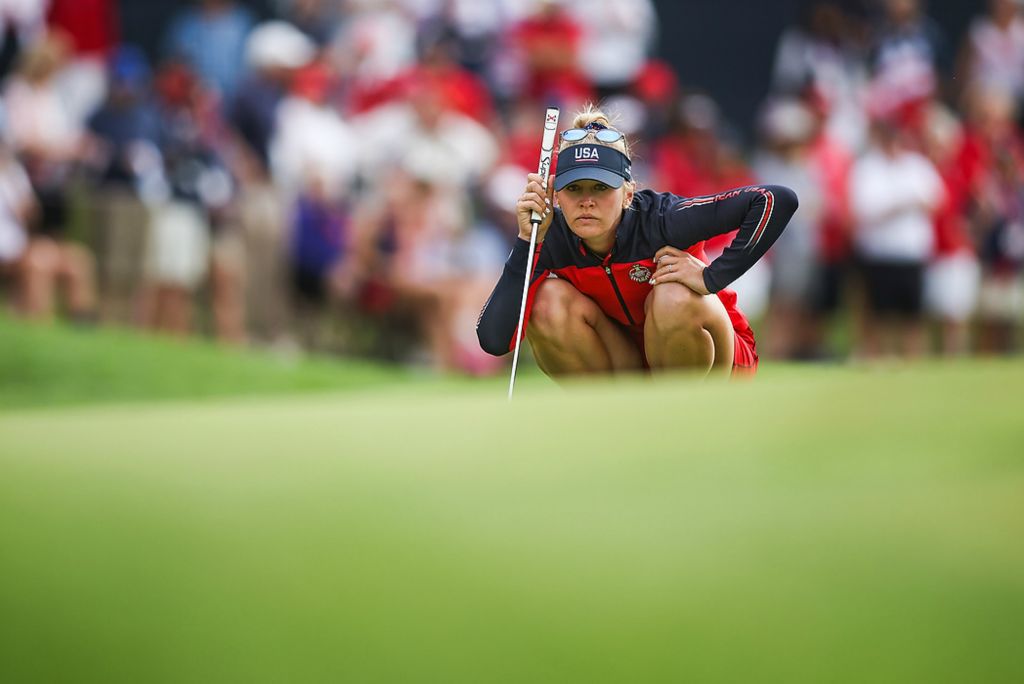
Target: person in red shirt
462, 90
693, 160
92, 28
632, 288
550, 43
92, 25
953, 278
992, 157
831, 160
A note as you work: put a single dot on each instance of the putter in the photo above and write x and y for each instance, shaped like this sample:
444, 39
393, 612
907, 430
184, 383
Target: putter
544, 169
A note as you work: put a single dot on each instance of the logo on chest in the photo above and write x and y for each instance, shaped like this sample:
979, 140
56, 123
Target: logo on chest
639, 274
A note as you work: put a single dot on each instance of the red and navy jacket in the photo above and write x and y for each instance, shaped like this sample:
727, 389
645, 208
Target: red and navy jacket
619, 282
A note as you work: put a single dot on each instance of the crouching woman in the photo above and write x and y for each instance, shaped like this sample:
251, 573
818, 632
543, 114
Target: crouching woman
620, 281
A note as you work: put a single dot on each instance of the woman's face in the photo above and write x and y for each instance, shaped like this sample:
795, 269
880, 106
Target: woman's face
592, 209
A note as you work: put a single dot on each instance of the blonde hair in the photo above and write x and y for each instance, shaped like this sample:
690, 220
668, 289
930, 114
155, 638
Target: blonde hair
43, 58
591, 114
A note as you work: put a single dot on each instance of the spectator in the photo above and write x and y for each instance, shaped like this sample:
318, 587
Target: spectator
130, 171
546, 46
908, 53
993, 53
210, 38
821, 57
462, 90
275, 52
375, 45
424, 121
433, 265
51, 142
474, 26
657, 89
694, 159
832, 162
313, 151
92, 29
953, 278
994, 156
615, 42
22, 22
318, 19
178, 245
41, 267
894, 193
314, 157
17, 205
788, 130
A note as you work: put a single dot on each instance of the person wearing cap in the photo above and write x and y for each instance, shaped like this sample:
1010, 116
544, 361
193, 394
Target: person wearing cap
620, 281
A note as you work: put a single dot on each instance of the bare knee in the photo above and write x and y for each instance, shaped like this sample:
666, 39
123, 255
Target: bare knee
672, 306
42, 259
557, 308
77, 262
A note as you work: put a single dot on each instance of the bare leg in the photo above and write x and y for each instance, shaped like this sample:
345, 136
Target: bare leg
874, 332
39, 272
160, 310
784, 327
434, 311
78, 269
146, 306
570, 335
685, 330
914, 339
227, 286
867, 341
177, 311
956, 340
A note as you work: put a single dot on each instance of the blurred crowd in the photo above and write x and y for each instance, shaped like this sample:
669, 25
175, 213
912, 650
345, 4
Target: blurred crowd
906, 152
342, 176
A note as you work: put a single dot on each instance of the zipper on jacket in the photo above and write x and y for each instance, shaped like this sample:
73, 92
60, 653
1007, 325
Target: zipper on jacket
615, 286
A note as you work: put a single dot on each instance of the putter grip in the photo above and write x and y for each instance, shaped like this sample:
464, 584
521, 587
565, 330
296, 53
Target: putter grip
547, 147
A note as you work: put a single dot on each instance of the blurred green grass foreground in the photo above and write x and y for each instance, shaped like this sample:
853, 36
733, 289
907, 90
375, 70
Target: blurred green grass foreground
821, 524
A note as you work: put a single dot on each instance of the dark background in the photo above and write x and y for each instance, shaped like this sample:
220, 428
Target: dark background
723, 47
727, 47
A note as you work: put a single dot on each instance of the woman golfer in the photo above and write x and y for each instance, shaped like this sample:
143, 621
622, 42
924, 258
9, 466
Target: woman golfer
620, 279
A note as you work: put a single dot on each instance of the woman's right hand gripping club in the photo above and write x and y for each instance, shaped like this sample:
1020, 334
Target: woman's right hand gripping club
535, 198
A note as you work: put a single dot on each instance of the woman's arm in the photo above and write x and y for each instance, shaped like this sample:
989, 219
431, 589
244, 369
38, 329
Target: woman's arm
760, 212
496, 327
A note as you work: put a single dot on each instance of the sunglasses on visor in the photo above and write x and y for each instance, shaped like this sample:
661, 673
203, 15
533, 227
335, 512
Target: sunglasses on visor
602, 133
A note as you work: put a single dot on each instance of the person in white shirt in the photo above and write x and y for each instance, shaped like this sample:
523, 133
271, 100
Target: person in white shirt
16, 204
617, 39
49, 140
993, 53
893, 195
314, 159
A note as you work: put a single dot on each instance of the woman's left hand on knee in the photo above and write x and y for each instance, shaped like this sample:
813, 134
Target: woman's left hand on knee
677, 266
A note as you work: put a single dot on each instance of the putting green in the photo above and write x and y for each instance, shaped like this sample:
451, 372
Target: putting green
816, 525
